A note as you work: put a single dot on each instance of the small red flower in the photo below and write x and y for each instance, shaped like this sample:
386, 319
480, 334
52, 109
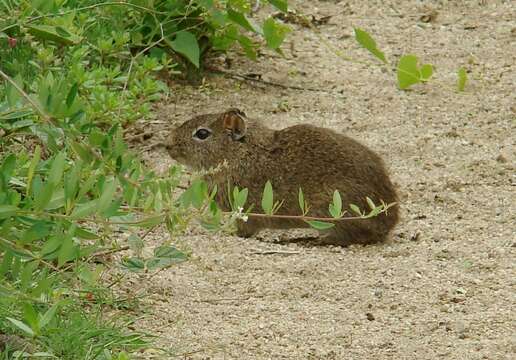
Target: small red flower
12, 42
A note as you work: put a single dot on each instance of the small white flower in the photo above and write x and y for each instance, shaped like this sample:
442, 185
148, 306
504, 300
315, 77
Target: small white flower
245, 218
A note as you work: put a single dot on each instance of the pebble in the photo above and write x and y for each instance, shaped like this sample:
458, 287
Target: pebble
501, 159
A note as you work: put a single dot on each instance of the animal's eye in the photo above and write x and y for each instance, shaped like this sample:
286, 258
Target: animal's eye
202, 134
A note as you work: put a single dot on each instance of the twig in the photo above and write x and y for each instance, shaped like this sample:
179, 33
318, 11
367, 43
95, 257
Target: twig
152, 146
139, 135
271, 83
110, 251
272, 252
225, 299
304, 218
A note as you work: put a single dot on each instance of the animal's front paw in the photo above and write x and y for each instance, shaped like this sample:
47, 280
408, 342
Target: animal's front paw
245, 229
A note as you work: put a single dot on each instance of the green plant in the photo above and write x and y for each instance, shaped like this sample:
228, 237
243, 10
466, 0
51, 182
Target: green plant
73, 75
408, 72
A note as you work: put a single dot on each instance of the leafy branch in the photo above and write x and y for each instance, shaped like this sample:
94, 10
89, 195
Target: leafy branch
407, 71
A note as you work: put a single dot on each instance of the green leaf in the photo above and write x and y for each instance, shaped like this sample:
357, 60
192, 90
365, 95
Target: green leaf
199, 193
301, 201
279, 4
31, 317
241, 198
7, 168
136, 243
320, 225
72, 94
355, 209
85, 234
168, 251
20, 124
336, 207
375, 211
53, 33
249, 47
57, 200
426, 71
67, 252
274, 33
87, 185
337, 201
49, 315
43, 197
150, 221
63, 32
11, 93
241, 20
108, 192
165, 256
71, 183
32, 167
462, 79
369, 43
13, 115
81, 151
51, 246
22, 326
56, 170
84, 210
186, 44
6, 262
267, 198
37, 231
371, 204
133, 264
408, 72
7, 211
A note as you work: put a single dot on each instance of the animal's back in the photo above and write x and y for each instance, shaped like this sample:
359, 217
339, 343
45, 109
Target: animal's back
320, 161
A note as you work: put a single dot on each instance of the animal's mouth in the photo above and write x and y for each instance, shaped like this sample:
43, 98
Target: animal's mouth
177, 157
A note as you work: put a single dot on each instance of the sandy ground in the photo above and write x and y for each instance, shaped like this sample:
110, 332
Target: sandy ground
444, 286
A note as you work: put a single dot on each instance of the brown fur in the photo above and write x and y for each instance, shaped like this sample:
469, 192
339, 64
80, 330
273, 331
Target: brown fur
316, 159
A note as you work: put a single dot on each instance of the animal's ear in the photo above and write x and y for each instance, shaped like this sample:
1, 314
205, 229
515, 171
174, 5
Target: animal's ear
233, 122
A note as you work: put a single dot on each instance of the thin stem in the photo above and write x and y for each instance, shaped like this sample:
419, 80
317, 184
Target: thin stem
26, 96
90, 7
304, 217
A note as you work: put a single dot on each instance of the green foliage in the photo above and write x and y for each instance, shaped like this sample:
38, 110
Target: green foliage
274, 33
186, 44
164, 256
302, 202
462, 78
368, 43
268, 198
335, 208
320, 225
268, 205
280, 4
409, 73
73, 75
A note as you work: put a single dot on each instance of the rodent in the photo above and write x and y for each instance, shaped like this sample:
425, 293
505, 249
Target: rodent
316, 159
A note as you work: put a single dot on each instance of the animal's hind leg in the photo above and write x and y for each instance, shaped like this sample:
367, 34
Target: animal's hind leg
353, 233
